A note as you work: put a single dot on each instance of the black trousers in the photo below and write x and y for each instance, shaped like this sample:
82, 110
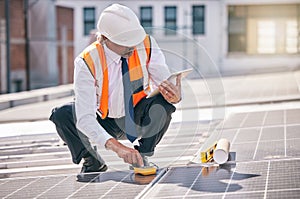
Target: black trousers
152, 117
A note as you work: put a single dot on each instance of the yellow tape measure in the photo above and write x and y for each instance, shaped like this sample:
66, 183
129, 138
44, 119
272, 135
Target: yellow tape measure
207, 155
145, 171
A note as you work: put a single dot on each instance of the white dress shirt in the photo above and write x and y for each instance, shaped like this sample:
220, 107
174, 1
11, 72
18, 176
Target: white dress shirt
85, 91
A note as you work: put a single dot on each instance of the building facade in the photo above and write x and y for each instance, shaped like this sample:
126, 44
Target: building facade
40, 42
215, 37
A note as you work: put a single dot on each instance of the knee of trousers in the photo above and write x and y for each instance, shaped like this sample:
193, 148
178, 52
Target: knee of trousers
62, 114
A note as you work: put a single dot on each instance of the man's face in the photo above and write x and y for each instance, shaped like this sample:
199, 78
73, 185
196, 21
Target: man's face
123, 51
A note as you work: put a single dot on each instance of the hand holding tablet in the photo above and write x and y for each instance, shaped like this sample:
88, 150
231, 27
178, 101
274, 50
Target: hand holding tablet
173, 76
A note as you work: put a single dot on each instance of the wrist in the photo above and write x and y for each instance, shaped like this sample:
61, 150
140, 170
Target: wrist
110, 144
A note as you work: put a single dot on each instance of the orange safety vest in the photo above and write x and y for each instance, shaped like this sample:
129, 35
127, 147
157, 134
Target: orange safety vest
95, 59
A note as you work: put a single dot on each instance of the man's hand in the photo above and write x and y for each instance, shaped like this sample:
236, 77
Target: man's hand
129, 155
171, 92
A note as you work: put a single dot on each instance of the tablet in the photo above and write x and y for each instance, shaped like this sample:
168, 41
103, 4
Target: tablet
173, 76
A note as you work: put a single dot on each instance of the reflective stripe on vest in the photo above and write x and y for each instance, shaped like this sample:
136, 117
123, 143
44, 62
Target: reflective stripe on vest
94, 58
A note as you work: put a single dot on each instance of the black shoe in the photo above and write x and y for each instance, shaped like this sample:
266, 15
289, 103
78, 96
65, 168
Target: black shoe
91, 164
88, 177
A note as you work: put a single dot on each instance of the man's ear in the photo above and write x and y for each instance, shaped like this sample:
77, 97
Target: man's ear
103, 39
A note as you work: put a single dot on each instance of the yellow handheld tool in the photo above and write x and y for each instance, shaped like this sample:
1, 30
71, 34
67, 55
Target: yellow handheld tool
207, 155
145, 171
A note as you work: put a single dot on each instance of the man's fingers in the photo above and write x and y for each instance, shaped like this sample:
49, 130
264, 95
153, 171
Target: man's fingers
167, 88
129, 155
129, 159
171, 92
136, 159
133, 157
140, 160
178, 81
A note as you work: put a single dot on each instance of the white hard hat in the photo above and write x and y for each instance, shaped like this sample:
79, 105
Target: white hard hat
120, 25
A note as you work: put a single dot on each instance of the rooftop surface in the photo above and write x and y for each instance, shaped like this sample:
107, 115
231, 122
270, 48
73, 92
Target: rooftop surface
260, 117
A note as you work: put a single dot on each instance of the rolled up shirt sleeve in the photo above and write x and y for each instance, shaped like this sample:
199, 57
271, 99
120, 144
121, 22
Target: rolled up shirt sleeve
86, 104
158, 68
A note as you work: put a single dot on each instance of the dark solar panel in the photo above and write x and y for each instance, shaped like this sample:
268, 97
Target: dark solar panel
267, 162
249, 179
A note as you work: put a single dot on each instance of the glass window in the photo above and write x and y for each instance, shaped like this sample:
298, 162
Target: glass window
146, 18
237, 29
264, 29
291, 36
88, 20
170, 20
266, 37
198, 20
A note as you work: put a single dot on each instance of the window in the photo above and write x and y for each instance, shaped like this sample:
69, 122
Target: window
266, 37
237, 29
170, 20
291, 36
198, 20
264, 29
146, 18
88, 20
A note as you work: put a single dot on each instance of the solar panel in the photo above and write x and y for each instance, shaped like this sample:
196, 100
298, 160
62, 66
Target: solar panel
267, 162
267, 165
40, 174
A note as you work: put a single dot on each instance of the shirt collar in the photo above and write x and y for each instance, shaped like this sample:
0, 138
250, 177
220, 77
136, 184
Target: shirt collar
111, 56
